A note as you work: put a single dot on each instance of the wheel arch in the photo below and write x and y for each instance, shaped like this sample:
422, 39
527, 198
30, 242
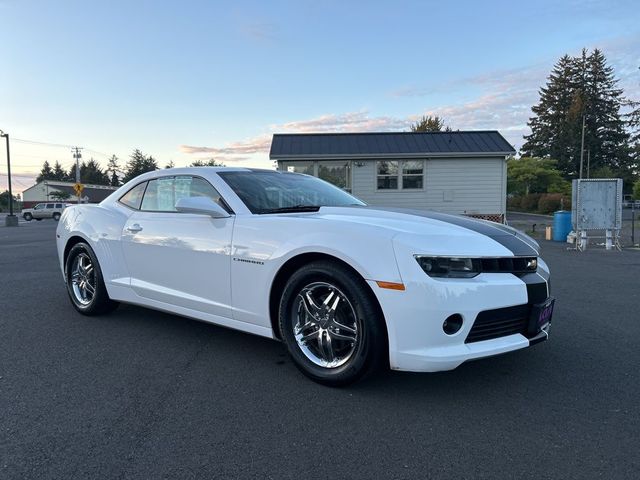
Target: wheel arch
293, 264
71, 242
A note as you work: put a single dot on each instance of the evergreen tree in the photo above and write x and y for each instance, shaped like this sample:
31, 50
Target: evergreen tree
91, 173
58, 172
139, 164
633, 123
45, 173
113, 167
429, 124
170, 164
577, 88
605, 136
71, 176
552, 126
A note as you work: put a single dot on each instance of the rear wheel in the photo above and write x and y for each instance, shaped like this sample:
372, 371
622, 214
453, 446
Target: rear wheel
331, 324
28, 217
85, 284
56, 216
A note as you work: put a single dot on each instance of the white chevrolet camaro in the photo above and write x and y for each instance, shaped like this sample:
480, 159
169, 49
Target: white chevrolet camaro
347, 287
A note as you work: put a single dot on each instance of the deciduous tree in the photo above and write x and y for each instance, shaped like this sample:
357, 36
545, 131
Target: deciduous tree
429, 123
534, 175
207, 163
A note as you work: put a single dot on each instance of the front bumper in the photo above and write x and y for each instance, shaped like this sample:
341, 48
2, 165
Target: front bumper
415, 316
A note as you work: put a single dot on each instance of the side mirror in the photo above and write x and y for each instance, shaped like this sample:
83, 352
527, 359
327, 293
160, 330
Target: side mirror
202, 206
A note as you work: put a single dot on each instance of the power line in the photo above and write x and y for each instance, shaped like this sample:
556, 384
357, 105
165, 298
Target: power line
35, 142
59, 145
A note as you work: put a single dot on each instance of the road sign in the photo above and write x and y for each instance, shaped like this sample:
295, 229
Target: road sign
78, 187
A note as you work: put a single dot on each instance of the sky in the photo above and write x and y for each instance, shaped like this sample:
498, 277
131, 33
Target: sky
213, 79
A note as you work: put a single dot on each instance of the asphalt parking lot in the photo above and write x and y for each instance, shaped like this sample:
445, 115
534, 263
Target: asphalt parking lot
142, 394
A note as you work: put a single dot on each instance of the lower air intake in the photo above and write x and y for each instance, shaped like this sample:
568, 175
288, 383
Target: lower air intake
499, 323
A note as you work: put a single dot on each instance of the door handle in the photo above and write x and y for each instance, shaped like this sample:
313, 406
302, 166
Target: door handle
135, 228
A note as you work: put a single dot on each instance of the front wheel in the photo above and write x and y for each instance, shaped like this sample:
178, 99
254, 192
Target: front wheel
85, 284
331, 324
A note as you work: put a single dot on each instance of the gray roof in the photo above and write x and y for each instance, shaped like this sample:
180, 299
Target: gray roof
95, 195
300, 146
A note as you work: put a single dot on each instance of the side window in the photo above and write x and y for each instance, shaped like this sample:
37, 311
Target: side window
49, 205
159, 196
58, 205
38, 206
133, 197
197, 187
163, 193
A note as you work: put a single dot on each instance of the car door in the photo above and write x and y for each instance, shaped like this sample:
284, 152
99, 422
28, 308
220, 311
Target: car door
176, 258
39, 211
48, 211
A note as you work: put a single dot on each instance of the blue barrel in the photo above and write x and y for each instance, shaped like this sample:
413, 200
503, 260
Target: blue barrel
561, 225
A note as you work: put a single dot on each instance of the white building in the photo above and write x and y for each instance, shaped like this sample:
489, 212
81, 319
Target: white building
452, 172
41, 192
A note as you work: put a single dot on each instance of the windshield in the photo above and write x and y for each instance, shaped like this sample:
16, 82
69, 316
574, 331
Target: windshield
273, 192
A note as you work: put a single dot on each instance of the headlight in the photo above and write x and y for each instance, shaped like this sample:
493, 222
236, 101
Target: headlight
459, 267
450, 267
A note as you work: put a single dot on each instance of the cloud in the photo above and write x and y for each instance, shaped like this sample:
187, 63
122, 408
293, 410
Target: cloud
359, 121
259, 144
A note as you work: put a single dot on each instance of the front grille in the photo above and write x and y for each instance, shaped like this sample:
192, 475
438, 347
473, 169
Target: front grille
515, 265
499, 323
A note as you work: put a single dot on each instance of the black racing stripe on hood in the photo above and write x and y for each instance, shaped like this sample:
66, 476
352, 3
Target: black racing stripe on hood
499, 233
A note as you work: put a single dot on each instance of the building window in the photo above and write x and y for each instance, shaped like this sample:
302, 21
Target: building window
400, 175
412, 174
337, 172
300, 167
388, 174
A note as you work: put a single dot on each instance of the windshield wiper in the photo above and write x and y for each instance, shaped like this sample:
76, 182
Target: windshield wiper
293, 208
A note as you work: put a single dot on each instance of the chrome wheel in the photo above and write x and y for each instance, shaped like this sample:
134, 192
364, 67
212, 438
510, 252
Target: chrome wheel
327, 329
83, 279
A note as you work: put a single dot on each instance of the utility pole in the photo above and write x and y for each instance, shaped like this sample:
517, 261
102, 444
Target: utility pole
77, 155
582, 146
588, 162
10, 220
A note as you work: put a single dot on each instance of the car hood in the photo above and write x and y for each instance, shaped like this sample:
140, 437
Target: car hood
412, 226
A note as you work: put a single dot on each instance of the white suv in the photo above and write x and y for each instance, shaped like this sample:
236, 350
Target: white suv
44, 210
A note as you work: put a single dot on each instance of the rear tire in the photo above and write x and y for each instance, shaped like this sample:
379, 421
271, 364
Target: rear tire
56, 216
28, 217
331, 325
85, 284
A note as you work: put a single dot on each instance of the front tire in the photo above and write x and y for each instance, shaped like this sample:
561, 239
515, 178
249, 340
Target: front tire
85, 284
331, 325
